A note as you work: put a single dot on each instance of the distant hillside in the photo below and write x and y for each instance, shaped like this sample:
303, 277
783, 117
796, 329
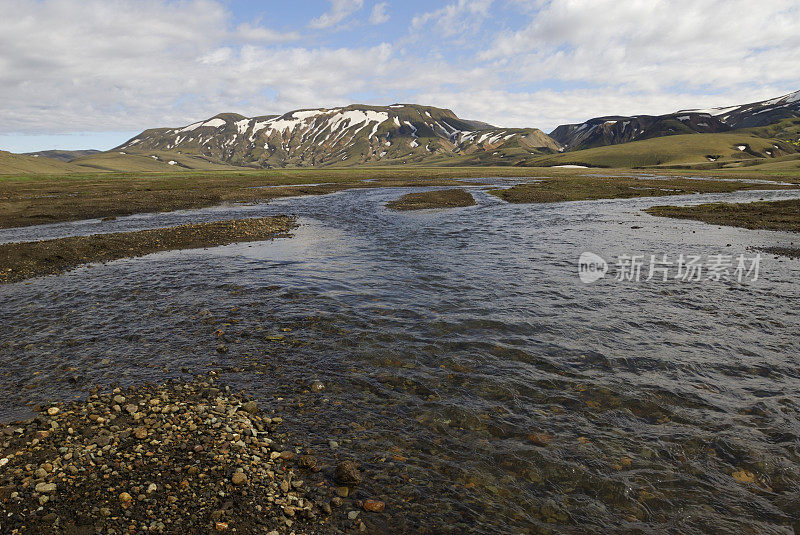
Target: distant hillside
604, 131
701, 151
20, 164
353, 135
61, 155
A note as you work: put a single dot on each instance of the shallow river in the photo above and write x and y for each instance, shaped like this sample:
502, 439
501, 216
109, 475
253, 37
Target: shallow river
481, 385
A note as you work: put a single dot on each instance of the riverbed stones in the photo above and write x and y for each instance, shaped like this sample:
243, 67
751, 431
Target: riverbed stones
176, 454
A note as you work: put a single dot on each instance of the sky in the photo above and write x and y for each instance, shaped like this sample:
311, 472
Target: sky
78, 74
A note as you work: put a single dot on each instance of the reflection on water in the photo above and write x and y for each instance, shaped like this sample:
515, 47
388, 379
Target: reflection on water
483, 388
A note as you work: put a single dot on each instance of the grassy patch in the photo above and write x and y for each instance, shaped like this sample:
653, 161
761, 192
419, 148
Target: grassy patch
580, 188
769, 215
19, 261
449, 198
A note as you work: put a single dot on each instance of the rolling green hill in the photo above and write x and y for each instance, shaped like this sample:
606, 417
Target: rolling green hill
702, 151
14, 164
150, 161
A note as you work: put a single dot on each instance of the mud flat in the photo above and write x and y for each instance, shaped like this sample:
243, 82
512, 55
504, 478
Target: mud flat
183, 457
23, 260
449, 198
577, 188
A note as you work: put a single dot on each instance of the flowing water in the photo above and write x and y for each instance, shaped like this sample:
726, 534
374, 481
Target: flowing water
482, 387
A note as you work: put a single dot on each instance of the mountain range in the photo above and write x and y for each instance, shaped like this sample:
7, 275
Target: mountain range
360, 135
613, 130
353, 135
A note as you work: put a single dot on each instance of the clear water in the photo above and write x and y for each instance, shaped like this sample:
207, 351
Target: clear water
446, 339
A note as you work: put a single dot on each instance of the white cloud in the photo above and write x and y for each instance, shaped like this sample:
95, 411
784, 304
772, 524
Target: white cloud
340, 10
650, 46
379, 14
455, 18
253, 33
120, 65
546, 109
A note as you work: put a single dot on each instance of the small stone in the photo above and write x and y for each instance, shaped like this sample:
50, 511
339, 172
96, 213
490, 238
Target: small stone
541, 439
744, 476
347, 473
343, 491
45, 488
375, 506
52, 411
239, 478
131, 408
307, 461
125, 500
317, 386
352, 515
119, 400
151, 488
250, 407
105, 511
221, 526
140, 432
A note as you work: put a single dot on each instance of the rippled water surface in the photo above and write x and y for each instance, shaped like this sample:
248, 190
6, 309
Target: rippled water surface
481, 385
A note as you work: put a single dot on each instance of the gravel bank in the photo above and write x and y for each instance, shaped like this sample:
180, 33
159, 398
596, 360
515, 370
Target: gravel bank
178, 458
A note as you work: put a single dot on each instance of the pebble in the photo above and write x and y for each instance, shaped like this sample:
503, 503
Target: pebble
347, 473
376, 506
250, 407
45, 488
52, 411
239, 478
125, 499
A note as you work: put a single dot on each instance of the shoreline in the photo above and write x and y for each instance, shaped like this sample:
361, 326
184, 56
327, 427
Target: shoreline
579, 188
781, 215
24, 260
152, 458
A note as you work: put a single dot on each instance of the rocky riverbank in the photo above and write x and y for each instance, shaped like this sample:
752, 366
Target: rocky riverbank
178, 458
19, 261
